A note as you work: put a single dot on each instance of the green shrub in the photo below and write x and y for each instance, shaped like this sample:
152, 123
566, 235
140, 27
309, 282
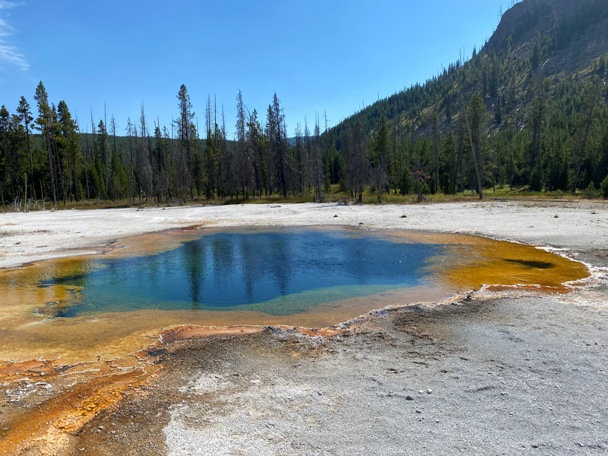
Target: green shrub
590, 192
604, 187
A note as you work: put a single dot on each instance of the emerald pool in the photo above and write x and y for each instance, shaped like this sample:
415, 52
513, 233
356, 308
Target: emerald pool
278, 272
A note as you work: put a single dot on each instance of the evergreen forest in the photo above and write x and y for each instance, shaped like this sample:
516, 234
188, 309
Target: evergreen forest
527, 113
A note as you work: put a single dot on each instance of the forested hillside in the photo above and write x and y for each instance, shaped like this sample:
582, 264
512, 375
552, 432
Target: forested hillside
528, 111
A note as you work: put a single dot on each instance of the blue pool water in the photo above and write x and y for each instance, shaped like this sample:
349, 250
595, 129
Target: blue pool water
278, 273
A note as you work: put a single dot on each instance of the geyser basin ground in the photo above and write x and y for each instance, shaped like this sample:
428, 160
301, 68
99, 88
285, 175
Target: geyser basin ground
467, 347
114, 304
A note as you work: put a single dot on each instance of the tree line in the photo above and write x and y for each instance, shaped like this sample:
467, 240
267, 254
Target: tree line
476, 136
496, 121
45, 158
528, 112
557, 142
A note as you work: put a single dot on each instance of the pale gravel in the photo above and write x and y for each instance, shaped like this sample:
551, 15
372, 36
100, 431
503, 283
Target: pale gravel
524, 374
27, 237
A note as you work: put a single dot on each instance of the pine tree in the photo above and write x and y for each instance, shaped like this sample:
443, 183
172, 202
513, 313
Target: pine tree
317, 165
356, 162
584, 120
4, 151
436, 153
142, 160
69, 142
184, 135
536, 126
102, 161
244, 162
130, 158
379, 159
474, 120
277, 138
256, 146
26, 118
45, 124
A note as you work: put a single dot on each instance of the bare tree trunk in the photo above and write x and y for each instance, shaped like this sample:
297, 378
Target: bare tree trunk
436, 150
473, 151
41, 194
25, 190
52, 171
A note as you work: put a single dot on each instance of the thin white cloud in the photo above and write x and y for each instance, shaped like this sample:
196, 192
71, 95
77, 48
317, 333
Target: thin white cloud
5, 28
9, 53
8, 4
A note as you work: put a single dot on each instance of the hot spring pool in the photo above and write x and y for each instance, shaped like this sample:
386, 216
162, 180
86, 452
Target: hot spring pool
275, 272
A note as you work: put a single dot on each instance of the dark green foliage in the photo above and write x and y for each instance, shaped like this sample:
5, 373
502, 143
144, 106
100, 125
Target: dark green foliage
379, 160
604, 187
541, 78
528, 111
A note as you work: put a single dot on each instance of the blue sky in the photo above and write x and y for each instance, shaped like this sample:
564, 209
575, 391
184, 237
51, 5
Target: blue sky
318, 55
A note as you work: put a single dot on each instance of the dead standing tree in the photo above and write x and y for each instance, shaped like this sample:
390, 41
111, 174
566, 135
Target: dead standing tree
476, 104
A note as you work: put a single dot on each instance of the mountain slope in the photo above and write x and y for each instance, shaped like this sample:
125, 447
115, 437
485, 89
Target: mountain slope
541, 74
569, 37
572, 34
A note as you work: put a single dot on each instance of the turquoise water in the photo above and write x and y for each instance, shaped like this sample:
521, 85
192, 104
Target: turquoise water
279, 273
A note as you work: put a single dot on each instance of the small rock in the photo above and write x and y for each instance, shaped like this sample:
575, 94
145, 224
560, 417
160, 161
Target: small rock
429, 391
555, 216
421, 392
534, 445
409, 398
418, 411
335, 215
404, 216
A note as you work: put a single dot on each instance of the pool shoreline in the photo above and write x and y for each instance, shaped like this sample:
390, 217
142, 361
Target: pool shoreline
114, 248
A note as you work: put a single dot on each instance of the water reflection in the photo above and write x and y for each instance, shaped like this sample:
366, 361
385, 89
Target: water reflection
281, 270
193, 252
